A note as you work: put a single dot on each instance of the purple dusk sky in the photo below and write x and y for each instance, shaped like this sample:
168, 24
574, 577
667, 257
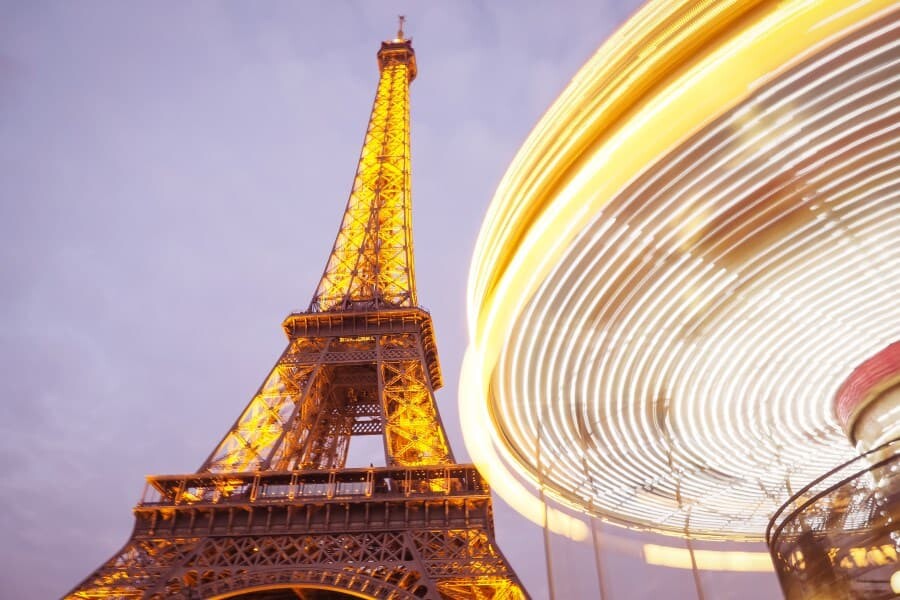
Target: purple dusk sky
173, 176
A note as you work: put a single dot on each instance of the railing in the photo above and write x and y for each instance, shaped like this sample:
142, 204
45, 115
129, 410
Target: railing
350, 356
839, 537
288, 486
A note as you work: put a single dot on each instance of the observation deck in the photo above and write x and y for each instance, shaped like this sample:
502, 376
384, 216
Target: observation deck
298, 502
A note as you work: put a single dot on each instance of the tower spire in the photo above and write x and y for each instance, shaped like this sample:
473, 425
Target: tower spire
371, 263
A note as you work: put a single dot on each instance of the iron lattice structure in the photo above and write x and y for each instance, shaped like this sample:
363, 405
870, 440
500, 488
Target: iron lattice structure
273, 512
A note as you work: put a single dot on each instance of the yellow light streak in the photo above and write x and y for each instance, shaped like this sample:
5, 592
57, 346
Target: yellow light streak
703, 282
708, 560
489, 462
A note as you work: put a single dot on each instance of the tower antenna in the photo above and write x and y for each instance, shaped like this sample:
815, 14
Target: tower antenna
402, 20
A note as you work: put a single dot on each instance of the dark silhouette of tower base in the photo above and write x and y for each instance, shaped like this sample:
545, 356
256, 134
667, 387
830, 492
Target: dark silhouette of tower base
273, 513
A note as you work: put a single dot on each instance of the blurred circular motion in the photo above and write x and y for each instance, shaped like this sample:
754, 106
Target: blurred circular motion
693, 250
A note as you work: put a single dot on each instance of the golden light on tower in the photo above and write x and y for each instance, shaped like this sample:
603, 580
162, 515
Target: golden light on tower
275, 509
692, 250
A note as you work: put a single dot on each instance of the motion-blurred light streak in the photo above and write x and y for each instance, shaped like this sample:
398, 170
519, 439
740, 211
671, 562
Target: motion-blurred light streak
688, 255
712, 560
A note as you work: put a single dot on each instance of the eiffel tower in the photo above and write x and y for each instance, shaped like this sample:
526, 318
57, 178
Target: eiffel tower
273, 513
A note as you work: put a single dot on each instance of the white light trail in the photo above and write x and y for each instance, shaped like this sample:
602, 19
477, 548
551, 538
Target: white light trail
698, 309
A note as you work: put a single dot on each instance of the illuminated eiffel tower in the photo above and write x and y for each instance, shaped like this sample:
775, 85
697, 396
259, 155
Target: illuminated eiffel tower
273, 513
